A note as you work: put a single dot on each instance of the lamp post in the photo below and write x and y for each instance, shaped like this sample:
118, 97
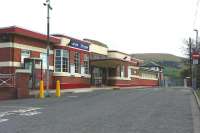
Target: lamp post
197, 32
47, 4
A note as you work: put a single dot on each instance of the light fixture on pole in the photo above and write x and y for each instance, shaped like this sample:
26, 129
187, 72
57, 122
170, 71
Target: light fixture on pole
197, 32
47, 4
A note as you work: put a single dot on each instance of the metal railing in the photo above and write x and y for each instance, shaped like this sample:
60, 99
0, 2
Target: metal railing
7, 80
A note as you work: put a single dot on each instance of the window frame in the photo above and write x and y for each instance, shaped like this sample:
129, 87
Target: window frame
66, 59
77, 62
23, 56
59, 60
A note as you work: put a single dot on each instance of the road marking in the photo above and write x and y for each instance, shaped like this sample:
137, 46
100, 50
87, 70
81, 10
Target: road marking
72, 96
3, 120
83, 91
26, 111
30, 113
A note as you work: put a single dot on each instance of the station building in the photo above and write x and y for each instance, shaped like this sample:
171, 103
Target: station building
76, 63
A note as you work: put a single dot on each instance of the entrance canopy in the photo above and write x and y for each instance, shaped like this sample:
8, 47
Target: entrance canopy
109, 62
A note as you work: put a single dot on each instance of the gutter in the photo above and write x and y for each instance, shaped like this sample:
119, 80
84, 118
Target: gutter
197, 98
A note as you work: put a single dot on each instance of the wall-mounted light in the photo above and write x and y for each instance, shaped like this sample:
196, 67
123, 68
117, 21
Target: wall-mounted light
125, 58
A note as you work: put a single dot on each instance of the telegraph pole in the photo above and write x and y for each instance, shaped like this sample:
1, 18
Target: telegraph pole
47, 4
190, 61
195, 65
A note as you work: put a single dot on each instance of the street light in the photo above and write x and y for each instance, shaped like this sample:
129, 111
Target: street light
196, 38
47, 4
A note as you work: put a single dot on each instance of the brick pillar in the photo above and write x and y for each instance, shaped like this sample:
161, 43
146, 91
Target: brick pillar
72, 53
126, 70
22, 89
82, 58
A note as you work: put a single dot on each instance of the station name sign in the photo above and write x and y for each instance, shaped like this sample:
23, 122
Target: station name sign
79, 44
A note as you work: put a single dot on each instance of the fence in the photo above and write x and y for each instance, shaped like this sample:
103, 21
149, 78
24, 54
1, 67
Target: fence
7, 80
173, 83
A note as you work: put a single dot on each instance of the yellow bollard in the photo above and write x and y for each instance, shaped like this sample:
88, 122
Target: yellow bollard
58, 88
41, 89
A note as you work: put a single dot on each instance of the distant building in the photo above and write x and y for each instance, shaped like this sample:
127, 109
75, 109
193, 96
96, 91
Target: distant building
156, 69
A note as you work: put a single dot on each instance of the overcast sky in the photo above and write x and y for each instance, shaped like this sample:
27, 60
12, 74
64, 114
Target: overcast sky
131, 26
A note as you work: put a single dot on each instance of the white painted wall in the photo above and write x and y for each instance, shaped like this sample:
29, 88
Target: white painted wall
98, 49
118, 55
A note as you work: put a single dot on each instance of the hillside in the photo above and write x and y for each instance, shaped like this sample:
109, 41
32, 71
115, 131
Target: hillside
157, 57
172, 64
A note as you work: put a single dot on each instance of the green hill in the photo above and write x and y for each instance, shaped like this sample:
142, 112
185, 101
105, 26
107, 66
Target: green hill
172, 64
157, 57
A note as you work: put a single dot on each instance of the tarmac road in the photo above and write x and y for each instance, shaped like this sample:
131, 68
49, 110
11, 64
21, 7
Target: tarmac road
151, 110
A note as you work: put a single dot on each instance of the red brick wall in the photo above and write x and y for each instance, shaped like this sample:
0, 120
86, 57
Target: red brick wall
72, 53
22, 80
73, 82
5, 54
17, 55
7, 70
35, 54
29, 41
19, 91
134, 82
81, 58
8, 93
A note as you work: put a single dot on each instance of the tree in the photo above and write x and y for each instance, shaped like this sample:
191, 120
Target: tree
190, 46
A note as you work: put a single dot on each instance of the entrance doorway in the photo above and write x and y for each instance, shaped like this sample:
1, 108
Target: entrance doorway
99, 76
30, 64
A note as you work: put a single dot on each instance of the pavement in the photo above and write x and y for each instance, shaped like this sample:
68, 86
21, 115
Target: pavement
76, 90
83, 90
148, 110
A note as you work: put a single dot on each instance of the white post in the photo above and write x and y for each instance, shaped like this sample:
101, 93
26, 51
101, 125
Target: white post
185, 82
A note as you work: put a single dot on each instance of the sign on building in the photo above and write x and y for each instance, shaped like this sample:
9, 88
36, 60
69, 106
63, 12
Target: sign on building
78, 44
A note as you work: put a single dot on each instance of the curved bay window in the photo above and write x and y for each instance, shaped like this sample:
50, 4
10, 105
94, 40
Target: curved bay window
61, 60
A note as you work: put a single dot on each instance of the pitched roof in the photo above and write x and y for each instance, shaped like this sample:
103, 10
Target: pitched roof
71, 38
28, 33
96, 42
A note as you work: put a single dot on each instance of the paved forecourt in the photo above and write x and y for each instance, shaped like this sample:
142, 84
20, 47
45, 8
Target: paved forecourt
151, 110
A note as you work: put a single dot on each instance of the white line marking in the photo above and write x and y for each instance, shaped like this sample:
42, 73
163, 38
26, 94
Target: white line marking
3, 120
73, 96
26, 111
30, 113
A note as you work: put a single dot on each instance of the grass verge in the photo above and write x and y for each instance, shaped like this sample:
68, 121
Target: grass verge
198, 93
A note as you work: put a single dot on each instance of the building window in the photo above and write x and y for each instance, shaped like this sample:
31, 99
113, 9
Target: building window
61, 61
5, 38
25, 54
43, 56
122, 71
77, 62
65, 61
58, 61
86, 63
